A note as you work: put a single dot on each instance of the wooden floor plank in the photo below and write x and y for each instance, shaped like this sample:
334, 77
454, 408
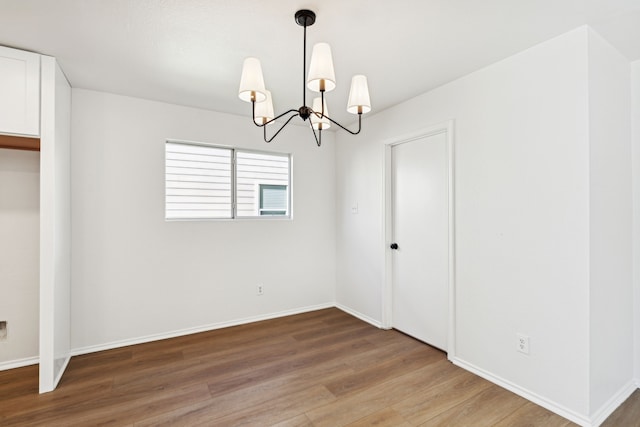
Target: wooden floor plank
628, 414
387, 417
181, 416
32, 409
457, 388
323, 368
484, 409
129, 407
353, 407
385, 349
19, 382
275, 410
254, 395
393, 367
258, 373
531, 414
299, 421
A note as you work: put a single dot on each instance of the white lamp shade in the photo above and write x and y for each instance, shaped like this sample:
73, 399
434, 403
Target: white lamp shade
359, 95
264, 110
321, 69
252, 81
317, 122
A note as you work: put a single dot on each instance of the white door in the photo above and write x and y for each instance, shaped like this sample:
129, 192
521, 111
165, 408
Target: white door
420, 229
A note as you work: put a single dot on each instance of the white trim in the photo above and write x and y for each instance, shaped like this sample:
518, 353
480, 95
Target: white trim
529, 395
58, 377
19, 363
612, 404
387, 290
55, 224
387, 226
31, 95
47, 224
188, 331
361, 316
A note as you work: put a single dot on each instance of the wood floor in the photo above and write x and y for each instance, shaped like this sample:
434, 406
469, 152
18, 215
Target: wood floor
323, 368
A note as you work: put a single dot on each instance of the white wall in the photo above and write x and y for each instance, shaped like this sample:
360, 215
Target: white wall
522, 222
19, 238
55, 224
136, 276
611, 289
359, 248
635, 149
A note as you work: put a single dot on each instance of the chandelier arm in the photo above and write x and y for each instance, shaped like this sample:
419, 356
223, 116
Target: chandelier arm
253, 108
321, 116
350, 131
281, 127
278, 117
318, 141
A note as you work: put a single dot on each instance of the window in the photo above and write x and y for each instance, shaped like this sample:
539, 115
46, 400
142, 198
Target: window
255, 171
273, 199
208, 182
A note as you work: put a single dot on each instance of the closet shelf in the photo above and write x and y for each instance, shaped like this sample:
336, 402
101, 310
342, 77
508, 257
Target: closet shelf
19, 143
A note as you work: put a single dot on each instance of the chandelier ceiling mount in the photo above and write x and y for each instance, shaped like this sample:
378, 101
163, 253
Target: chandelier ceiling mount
305, 18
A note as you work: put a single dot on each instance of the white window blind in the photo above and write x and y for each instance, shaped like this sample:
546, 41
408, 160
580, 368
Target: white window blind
198, 181
204, 182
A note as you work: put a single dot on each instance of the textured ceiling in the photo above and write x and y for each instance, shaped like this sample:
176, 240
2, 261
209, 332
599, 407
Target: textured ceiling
190, 52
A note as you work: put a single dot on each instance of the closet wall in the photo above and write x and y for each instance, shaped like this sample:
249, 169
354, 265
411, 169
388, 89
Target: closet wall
19, 207
35, 214
19, 245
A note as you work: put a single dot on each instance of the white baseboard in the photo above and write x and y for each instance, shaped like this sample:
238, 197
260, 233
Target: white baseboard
19, 363
172, 334
533, 397
188, 331
360, 316
612, 404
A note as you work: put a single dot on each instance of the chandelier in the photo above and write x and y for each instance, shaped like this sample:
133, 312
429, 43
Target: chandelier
321, 79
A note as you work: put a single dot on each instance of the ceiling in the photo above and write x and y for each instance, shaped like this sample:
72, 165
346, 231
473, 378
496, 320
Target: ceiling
190, 52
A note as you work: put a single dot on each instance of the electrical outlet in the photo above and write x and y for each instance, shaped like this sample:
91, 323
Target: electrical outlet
259, 289
522, 343
3, 330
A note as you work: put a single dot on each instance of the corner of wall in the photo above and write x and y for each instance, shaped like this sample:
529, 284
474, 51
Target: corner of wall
55, 224
635, 155
611, 225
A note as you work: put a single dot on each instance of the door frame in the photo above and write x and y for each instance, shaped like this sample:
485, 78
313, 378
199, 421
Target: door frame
387, 290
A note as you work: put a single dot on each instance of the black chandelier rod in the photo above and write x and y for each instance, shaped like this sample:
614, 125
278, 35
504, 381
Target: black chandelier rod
318, 140
304, 65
